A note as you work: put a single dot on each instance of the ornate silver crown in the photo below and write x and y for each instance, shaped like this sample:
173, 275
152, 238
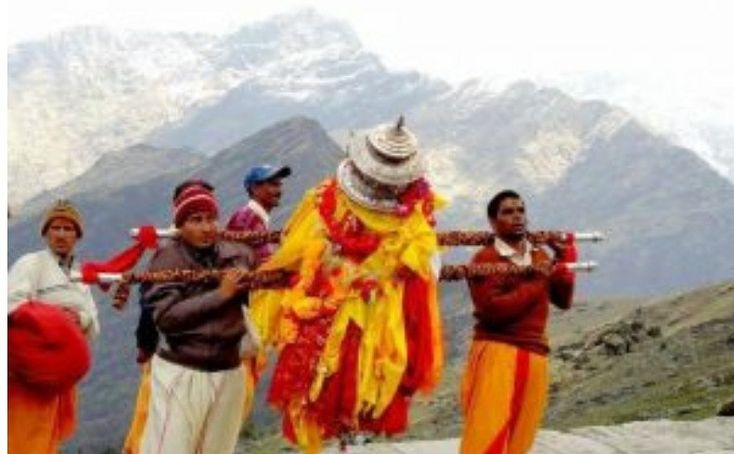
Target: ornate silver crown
375, 174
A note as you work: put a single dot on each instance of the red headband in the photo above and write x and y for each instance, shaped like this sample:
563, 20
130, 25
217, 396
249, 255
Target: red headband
192, 200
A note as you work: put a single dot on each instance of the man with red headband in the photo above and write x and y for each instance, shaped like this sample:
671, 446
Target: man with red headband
505, 384
146, 335
50, 320
197, 376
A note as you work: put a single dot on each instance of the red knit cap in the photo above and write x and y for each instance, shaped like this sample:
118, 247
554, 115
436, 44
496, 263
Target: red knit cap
192, 200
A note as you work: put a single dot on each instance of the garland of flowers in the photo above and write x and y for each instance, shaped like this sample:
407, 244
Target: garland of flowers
349, 234
417, 192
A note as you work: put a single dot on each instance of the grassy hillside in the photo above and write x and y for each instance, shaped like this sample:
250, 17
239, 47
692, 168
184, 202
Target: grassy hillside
622, 360
613, 361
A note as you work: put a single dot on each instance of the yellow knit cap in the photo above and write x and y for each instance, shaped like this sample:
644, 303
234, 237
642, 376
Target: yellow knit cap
65, 210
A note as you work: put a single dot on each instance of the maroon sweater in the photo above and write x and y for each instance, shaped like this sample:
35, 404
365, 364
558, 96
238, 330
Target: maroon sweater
514, 309
246, 219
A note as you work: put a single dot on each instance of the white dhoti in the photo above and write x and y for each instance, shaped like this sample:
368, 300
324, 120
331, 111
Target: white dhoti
193, 411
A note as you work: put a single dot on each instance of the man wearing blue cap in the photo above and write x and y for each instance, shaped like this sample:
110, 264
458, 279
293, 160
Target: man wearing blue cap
264, 187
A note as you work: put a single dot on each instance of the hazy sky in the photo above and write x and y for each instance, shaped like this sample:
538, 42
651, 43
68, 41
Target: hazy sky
454, 39
668, 61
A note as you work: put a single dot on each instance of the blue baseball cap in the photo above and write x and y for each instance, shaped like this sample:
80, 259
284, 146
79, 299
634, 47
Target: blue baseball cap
265, 172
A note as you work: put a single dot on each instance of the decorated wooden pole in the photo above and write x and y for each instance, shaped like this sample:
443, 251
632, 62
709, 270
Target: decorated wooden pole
445, 238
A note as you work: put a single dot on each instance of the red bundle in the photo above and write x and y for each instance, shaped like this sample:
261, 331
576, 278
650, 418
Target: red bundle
46, 350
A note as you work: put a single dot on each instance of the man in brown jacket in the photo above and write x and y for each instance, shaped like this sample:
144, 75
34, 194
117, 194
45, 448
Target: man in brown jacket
197, 377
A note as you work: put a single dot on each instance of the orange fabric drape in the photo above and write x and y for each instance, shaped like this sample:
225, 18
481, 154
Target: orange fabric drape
503, 396
38, 423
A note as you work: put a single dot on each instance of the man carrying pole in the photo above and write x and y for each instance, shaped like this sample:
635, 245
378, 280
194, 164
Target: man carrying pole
263, 184
505, 384
197, 383
147, 336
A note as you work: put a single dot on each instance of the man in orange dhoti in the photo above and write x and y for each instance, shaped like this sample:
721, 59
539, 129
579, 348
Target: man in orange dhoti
504, 389
50, 320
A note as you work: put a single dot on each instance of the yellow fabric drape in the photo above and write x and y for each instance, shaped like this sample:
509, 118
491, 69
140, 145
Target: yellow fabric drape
140, 413
405, 242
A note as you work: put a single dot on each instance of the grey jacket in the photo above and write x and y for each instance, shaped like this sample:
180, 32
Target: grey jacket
199, 329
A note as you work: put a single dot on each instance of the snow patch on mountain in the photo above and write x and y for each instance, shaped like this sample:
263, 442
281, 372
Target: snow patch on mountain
444, 174
697, 116
609, 124
545, 159
86, 91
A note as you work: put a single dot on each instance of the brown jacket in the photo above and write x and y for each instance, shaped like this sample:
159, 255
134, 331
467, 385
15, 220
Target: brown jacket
199, 329
514, 309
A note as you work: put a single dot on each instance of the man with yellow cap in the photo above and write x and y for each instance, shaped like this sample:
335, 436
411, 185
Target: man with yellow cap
50, 321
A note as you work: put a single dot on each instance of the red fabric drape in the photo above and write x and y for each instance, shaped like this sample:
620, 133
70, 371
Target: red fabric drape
124, 260
46, 350
335, 406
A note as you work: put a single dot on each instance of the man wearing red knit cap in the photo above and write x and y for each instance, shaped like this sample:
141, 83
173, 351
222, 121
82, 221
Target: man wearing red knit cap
197, 377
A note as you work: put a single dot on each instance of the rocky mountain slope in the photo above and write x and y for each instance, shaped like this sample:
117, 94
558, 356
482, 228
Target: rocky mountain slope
614, 361
128, 167
87, 91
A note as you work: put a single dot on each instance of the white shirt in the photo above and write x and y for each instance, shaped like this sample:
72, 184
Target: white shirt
507, 251
38, 276
255, 206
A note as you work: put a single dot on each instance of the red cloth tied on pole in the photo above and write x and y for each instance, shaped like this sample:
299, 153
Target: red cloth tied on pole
47, 351
567, 254
147, 238
570, 252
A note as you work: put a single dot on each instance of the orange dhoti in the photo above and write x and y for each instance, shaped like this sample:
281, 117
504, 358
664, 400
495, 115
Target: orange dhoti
38, 423
503, 397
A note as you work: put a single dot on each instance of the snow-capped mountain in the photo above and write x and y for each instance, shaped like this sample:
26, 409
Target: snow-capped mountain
88, 90
694, 116
526, 136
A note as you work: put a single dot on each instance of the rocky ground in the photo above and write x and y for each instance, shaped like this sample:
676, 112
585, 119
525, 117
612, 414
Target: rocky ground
714, 435
627, 376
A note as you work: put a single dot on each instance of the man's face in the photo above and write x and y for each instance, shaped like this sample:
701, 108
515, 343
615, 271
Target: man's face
268, 193
61, 237
200, 230
511, 222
